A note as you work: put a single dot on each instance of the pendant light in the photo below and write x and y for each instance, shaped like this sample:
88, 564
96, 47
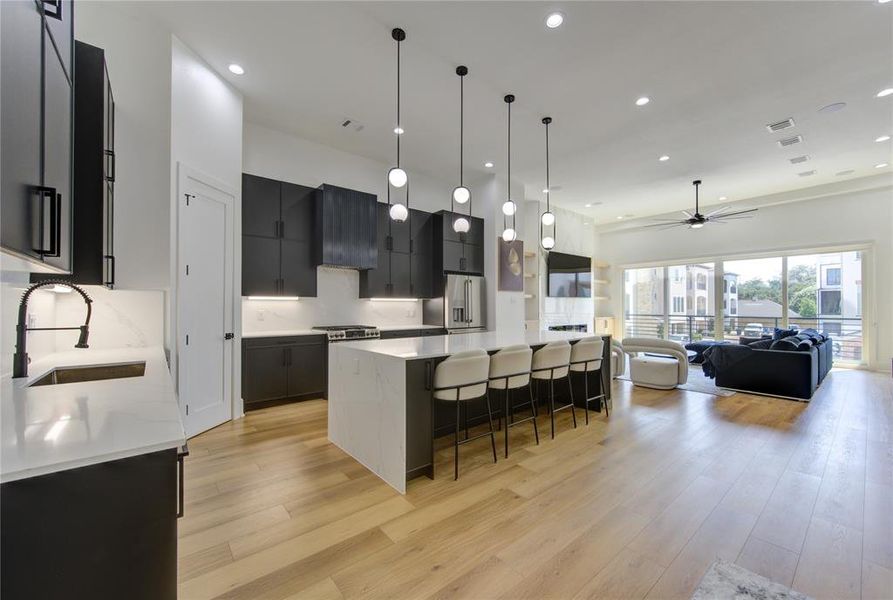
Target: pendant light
509, 233
461, 194
396, 176
547, 219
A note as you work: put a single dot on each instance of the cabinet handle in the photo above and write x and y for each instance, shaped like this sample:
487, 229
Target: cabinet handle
181, 504
282, 229
42, 194
285, 357
111, 258
289, 356
389, 243
110, 164
462, 264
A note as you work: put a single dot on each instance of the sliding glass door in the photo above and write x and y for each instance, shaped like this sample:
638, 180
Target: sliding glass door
691, 302
755, 308
643, 303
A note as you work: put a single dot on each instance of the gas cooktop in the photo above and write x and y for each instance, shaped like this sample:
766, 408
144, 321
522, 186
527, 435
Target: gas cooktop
349, 332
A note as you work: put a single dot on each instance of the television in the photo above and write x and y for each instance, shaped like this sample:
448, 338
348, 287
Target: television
569, 276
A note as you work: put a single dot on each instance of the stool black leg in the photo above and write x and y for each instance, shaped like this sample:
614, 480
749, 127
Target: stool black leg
536, 433
552, 404
586, 390
492, 435
570, 388
506, 412
456, 444
465, 412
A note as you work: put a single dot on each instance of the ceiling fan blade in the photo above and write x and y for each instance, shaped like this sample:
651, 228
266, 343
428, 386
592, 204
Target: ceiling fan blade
687, 214
724, 220
717, 211
739, 212
668, 224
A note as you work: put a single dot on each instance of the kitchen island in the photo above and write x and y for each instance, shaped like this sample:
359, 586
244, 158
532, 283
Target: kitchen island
380, 407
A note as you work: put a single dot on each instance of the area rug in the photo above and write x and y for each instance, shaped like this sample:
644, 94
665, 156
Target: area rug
727, 581
697, 382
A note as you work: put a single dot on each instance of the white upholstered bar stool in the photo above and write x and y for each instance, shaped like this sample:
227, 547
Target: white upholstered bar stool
552, 362
510, 370
460, 379
586, 358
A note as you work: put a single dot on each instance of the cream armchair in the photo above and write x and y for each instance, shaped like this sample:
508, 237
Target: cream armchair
656, 363
618, 359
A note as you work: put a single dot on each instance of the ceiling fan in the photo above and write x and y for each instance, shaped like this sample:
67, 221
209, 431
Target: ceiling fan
696, 220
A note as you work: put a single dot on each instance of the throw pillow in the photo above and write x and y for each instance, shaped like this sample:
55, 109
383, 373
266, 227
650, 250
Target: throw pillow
804, 338
790, 343
780, 334
761, 344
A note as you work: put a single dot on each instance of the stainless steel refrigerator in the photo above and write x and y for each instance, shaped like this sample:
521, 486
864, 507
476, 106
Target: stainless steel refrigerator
462, 307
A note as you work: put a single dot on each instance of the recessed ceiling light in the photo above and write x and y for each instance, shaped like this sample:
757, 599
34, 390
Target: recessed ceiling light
882, 138
545, 190
398, 130
885, 92
880, 165
643, 101
664, 158
882, 1
554, 20
236, 69
832, 108
722, 198
488, 164
588, 205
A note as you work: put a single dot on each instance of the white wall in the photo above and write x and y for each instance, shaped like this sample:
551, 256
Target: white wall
206, 135
138, 53
860, 217
278, 155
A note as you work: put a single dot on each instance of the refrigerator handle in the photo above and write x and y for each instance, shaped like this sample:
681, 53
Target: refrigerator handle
468, 316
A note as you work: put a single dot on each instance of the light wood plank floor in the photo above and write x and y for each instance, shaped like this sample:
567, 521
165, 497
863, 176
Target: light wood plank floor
636, 506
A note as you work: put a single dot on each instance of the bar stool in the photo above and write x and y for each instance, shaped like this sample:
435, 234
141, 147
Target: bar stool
510, 370
586, 358
462, 378
552, 362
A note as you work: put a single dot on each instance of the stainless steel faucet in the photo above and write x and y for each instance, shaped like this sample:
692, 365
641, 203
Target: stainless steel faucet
20, 358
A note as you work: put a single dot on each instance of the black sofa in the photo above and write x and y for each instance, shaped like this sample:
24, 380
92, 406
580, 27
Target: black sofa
787, 373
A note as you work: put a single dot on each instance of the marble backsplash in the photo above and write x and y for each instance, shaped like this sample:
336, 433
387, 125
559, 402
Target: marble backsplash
336, 303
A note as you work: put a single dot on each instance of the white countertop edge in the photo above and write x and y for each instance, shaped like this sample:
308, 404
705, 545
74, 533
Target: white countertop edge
247, 335
91, 461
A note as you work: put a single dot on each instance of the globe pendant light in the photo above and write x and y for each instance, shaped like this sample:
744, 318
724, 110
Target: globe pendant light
509, 233
547, 219
461, 194
396, 176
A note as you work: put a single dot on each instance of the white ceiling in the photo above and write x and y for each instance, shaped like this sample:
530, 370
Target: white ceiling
717, 73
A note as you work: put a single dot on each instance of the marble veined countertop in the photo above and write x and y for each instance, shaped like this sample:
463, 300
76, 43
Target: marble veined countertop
443, 345
296, 332
52, 428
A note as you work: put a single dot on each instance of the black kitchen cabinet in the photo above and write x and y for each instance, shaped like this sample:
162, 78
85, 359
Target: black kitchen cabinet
457, 252
391, 334
421, 255
346, 228
404, 258
109, 530
94, 161
277, 238
278, 369
36, 120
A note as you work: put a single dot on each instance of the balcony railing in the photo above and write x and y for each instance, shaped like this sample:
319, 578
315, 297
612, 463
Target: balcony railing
845, 332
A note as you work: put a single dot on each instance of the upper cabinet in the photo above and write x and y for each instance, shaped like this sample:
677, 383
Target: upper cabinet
404, 258
457, 252
277, 238
94, 162
36, 45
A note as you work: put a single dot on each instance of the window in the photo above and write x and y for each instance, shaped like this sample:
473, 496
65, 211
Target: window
733, 289
733, 309
702, 281
832, 276
702, 305
829, 302
678, 304
725, 286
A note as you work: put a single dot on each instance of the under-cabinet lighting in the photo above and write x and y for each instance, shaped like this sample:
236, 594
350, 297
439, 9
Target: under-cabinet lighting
60, 289
394, 299
274, 297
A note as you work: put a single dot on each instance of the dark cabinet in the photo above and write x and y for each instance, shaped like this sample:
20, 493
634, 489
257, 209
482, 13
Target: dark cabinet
283, 368
93, 262
35, 117
458, 252
404, 258
391, 334
277, 238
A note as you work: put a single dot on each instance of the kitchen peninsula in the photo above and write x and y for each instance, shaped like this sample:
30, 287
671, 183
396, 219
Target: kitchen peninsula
380, 408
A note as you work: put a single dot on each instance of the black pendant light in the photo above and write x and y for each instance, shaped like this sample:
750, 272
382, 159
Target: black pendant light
509, 208
547, 219
396, 176
461, 194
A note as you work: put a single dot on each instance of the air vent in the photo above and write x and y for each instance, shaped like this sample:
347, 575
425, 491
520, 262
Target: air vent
806, 173
790, 141
847, 172
780, 126
352, 124
799, 159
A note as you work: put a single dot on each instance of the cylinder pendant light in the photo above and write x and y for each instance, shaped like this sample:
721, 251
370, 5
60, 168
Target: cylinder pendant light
396, 176
509, 208
461, 194
547, 219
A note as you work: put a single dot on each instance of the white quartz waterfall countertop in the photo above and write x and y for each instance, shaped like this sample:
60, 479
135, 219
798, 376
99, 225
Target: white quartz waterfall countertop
443, 345
52, 428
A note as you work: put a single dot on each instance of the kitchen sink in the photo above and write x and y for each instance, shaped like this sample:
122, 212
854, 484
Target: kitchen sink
91, 373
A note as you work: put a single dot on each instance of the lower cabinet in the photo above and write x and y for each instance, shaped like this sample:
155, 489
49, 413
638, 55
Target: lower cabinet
391, 334
102, 531
283, 368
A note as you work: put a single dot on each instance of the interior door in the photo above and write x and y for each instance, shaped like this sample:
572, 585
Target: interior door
204, 301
